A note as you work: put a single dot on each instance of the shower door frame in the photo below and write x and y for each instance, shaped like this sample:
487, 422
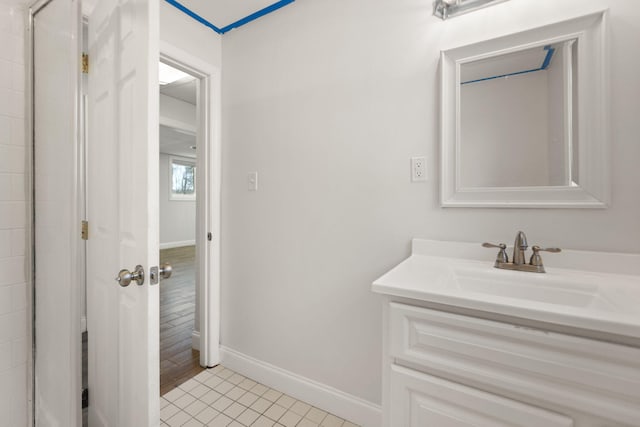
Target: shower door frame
77, 211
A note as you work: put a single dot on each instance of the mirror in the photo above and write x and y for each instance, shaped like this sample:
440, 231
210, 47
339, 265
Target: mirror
516, 118
524, 119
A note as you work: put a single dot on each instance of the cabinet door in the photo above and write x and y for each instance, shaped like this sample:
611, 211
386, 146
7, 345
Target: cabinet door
421, 400
596, 378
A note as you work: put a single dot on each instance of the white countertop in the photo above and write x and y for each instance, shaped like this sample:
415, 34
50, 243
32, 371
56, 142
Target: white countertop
587, 290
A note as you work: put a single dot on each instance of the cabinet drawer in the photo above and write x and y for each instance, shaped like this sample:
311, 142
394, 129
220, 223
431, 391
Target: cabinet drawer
421, 400
561, 370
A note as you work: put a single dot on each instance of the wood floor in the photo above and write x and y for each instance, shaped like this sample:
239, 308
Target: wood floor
178, 361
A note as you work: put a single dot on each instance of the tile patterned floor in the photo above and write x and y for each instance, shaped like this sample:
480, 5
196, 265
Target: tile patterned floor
220, 397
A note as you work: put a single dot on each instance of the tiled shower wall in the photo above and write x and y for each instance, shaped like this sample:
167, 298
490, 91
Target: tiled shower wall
14, 337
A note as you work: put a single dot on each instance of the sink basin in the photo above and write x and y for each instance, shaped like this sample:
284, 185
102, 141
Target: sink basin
551, 289
569, 294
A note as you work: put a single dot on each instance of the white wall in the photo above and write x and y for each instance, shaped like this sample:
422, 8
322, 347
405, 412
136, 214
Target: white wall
177, 217
14, 336
183, 32
328, 100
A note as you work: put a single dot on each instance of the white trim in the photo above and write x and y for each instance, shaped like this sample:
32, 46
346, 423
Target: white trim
327, 398
209, 168
195, 340
178, 244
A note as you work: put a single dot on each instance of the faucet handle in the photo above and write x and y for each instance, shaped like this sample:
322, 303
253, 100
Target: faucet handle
502, 254
536, 259
493, 245
538, 248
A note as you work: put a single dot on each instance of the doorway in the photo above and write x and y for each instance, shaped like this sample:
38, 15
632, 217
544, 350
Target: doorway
208, 167
179, 314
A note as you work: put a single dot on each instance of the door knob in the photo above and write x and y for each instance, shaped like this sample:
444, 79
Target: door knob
125, 276
163, 271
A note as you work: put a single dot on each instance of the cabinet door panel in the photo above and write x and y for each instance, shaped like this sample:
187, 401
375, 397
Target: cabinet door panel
583, 375
421, 400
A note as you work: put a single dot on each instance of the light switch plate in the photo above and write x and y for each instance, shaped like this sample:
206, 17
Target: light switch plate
252, 179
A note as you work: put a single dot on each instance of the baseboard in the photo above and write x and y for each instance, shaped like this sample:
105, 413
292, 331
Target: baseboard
347, 406
195, 340
169, 245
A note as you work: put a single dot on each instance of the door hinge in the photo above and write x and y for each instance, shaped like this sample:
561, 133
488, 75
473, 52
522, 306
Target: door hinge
85, 398
85, 63
84, 233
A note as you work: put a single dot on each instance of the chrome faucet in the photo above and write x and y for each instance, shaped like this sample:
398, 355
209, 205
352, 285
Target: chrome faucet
519, 260
519, 248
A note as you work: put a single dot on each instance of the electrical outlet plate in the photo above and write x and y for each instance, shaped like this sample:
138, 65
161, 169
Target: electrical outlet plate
418, 169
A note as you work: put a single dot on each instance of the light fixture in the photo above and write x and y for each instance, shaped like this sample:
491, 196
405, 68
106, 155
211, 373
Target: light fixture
167, 74
449, 8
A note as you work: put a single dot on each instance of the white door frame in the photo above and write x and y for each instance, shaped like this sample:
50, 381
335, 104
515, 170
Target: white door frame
208, 169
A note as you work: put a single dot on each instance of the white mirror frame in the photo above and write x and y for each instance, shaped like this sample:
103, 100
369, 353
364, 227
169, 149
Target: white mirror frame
592, 136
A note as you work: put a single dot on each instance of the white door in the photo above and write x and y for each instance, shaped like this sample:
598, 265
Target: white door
122, 192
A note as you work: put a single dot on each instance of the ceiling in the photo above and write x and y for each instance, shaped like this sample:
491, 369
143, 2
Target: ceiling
177, 142
184, 90
219, 13
223, 13
524, 61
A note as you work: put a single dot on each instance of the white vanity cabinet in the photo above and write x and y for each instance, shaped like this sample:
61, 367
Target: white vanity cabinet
452, 370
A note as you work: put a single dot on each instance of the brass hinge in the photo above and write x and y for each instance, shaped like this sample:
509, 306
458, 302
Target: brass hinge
85, 63
85, 230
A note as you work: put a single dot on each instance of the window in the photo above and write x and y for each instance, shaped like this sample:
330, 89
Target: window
183, 179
